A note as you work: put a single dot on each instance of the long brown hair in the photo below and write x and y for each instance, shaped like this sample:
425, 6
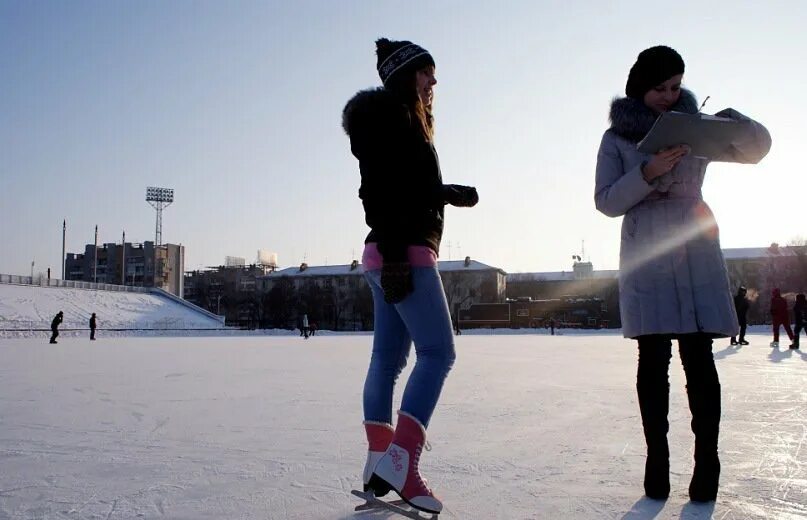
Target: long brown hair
405, 86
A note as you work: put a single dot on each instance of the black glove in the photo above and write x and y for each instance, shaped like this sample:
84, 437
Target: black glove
460, 196
396, 281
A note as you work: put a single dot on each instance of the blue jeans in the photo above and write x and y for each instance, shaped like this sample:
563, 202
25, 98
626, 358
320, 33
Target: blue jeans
423, 317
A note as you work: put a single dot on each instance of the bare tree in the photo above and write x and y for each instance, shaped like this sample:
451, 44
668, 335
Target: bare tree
362, 298
799, 246
282, 298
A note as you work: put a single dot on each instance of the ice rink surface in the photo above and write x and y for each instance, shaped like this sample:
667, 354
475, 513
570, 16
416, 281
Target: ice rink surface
529, 426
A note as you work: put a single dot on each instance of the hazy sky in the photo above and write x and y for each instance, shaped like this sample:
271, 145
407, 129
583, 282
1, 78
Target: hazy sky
237, 107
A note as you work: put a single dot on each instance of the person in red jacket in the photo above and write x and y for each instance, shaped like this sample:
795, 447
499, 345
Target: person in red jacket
780, 316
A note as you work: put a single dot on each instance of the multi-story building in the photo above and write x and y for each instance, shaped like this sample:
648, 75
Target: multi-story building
581, 282
334, 297
337, 297
759, 269
229, 291
468, 281
146, 265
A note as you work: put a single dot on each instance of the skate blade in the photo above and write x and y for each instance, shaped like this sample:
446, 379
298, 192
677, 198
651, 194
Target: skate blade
368, 506
396, 506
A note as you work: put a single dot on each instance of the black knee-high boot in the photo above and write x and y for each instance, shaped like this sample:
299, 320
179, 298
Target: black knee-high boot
703, 394
653, 390
654, 405
704, 403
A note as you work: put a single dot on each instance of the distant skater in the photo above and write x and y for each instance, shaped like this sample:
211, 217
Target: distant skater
741, 306
673, 283
780, 316
457, 330
391, 133
799, 318
305, 326
54, 326
92, 327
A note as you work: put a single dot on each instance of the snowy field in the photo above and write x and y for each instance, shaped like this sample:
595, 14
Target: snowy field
529, 426
31, 307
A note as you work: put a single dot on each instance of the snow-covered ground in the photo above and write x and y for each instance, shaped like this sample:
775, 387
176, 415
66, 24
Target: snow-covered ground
529, 426
25, 307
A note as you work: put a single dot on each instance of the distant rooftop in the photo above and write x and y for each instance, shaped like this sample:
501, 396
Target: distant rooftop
553, 276
559, 276
316, 270
741, 253
459, 265
345, 269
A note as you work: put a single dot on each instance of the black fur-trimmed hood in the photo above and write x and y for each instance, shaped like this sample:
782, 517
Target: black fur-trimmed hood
370, 108
632, 119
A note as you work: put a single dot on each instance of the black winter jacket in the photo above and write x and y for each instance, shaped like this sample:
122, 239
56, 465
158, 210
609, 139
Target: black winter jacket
741, 305
401, 185
800, 312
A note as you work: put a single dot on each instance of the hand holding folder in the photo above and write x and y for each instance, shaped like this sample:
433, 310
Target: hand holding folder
708, 137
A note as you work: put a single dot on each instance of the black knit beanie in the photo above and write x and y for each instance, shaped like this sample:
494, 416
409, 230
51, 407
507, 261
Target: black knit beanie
395, 57
653, 66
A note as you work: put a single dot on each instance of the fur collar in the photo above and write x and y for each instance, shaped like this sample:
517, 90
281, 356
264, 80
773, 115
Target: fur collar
371, 107
632, 119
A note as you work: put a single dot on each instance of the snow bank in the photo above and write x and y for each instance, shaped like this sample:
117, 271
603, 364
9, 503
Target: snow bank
27, 307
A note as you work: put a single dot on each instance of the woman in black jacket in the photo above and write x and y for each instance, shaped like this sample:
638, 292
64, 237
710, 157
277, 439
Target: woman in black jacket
391, 131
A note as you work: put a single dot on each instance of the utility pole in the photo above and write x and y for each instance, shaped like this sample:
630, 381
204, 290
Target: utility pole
95, 261
123, 259
64, 233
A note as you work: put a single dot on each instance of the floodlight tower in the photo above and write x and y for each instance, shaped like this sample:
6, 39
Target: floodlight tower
159, 198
